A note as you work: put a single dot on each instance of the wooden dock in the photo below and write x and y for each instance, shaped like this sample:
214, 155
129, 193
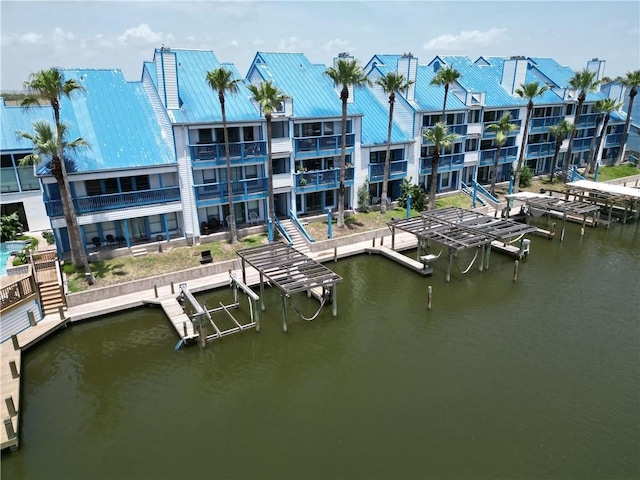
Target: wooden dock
11, 371
507, 249
180, 320
419, 267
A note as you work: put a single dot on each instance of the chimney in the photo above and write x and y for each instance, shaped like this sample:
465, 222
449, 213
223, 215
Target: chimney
514, 72
167, 78
597, 66
408, 66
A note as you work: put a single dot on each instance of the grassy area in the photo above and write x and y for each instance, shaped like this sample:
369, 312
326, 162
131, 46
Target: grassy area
125, 269
611, 173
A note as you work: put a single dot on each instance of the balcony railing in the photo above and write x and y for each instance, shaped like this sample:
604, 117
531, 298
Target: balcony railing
539, 150
319, 180
613, 140
492, 133
581, 144
397, 170
243, 190
542, 124
449, 162
507, 155
323, 145
587, 120
460, 130
115, 201
239, 152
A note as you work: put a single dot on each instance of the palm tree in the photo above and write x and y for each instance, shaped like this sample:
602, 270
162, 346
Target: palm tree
502, 129
270, 99
584, 82
527, 91
347, 72
605, 107
560, 131
49, 86
391, 83
221, 81
446, 76
441, 138
632, 80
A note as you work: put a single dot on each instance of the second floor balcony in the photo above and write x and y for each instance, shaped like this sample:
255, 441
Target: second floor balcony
397, 170
581, 144
507, 155
324, 145
587, 120
542, 124
319, 180
448, 162
613, 140
243, 190
540, 150
115, 201
487, 133
215, 154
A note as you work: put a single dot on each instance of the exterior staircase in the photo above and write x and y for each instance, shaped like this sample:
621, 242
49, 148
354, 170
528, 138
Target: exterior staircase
299, 242
51, 297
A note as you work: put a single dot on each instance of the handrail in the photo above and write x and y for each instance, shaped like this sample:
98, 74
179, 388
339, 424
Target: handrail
282, 231
299, 226
468, 190
484, 192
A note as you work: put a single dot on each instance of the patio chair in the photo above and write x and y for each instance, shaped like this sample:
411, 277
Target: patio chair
253, 218
228, 221
205, 257
96, 242
110, 239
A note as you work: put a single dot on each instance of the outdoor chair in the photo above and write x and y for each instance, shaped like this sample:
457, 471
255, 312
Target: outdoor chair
96, 242
253, 218
110, 239
228, 220
205, 257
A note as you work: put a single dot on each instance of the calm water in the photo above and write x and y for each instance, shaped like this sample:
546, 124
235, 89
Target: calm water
527, 380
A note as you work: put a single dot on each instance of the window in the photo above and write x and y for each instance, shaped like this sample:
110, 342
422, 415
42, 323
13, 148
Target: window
474, 116
233, 132
155, 224
9, 180
280, 165
280, 129
111, 185
93, 187
328, 128
397, 154
569, 109
142, 182
490, 116
330, 198
205, 135
471, 145
247, 132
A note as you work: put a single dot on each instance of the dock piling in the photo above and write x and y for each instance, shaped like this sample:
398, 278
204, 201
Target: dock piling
334, 300
429, 296
155, 290
11, 406
515, 271
172, 289
14, 369
32, 318
8, 425
14, 340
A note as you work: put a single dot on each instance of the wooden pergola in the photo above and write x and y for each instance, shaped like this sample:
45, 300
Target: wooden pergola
607, 196
290, 271
459, 229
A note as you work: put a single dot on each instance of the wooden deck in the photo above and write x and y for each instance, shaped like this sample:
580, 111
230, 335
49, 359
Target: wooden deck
419, 267
180, 320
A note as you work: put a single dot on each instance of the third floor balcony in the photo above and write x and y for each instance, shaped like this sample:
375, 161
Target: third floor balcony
542, 124
214, 154
447, 162
397, 170
539, 150
507, 155
243, 190
324, 145
487, 133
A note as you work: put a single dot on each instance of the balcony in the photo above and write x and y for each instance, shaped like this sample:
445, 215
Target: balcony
542, 124
214, 154
325, 145
540, 150
449, 162
320, 180
460, 130
243, 190
613, 140
492, 133
115, 201
507, 155
587, 120
397, 170
581, 144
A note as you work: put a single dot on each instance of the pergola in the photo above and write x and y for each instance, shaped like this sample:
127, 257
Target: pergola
607, 195
290, 271
459, 229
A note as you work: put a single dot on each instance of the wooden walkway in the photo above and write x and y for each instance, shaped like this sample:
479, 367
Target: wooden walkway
11, 358
419, 267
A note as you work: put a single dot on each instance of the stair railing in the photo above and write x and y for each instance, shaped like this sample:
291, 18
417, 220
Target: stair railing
299, 226
282, 230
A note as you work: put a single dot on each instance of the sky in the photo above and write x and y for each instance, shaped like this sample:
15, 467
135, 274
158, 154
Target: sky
123, 34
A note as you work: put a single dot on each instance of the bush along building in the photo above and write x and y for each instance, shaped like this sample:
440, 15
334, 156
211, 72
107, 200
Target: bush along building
156, 169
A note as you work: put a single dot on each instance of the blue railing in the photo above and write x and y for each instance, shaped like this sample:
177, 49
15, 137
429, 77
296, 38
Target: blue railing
484, 192
542, 124
282, 231
243, 190
114, 201
541, 150
397, 169
318, 180
613, 140
587, 120
507, 155
239, 152
460, 130
299, 226
492, 133
322, 145
448, 162
467, 190
581, 144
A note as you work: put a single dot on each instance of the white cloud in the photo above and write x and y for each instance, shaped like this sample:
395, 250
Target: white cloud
60, 38
141, 34
30, 37
467, 39
234, 43
258, 41
293, 44
336, 45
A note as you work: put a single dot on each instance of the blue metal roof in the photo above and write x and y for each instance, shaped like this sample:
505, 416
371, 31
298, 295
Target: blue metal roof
312, 92
117, 120
375, 122
15, 118
199, 102
429, 98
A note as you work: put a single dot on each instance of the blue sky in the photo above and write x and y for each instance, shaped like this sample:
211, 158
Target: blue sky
122, 34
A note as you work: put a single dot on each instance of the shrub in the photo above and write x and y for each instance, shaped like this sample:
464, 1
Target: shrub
48, 236
418, 195
364, 200
526, 177
10, 227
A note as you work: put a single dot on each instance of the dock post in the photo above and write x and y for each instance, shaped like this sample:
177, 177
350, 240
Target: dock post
393, 237
184, 328
488, 255
262, 305
244, 274
14, 369
335, 254
172, 289
14, 340
481, 268
11, 407
373, 241
61, 312
584, 222
382, 240
155, 290
202, 338
429, 296
284, 313
334, 299
256, 314
8, 425
515, 271
448, 278
32, 319
564, 221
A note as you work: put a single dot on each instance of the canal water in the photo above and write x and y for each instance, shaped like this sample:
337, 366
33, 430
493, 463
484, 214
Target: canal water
534, 379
